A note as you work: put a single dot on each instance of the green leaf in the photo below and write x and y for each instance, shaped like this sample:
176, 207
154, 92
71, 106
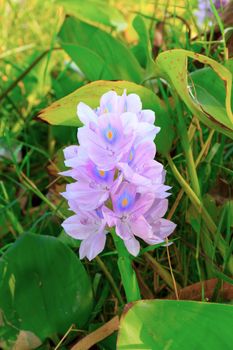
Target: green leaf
143, 50
95, 11
63, 111
66, 83
98, 54
175, 325
207, 93
43, 289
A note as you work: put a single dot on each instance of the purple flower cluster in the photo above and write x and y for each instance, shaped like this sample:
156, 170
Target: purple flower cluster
117, 181
204, 9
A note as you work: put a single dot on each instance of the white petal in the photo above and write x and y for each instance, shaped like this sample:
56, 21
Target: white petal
158, 209
108, 102
129, 121
71, 152
132, 246
75, 229
146, 132
86, 114
92, 246
148, 116
133, 103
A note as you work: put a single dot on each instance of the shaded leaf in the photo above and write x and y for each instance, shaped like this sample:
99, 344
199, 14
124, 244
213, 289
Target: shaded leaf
143, 50
44, 288
98, 54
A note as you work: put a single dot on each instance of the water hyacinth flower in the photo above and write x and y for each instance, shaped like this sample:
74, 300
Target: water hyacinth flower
117, 183
204, 11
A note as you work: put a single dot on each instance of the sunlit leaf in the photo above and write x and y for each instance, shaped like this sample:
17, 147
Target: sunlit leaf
207, 93
175, 325
95, 11
64, 111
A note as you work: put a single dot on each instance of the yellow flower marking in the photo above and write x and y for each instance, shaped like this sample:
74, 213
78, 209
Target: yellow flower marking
124, 202
131, 155
102, 172
110, 135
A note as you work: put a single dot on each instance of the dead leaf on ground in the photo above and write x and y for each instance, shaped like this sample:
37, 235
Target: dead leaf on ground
194, 291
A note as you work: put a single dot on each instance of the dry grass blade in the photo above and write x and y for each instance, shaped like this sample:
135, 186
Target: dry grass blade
98, 335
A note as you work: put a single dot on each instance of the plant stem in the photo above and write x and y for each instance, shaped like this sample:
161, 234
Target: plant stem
197, 161
110, 279
181, 126
128, 275
164, 274
31, 186
10, 213
201, 209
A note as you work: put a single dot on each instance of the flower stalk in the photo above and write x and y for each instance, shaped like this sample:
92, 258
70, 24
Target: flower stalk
128, 275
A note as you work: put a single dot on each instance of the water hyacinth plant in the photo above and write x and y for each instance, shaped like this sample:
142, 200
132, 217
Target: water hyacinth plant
116, 211
118, 184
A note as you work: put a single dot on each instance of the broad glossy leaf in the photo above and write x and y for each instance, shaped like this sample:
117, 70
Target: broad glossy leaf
175, 325
63, 111
207, 93
43, 289
95, 11
143, 50
97, 53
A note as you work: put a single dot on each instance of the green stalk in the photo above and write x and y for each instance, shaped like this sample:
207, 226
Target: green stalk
10, 213
181, 126
201, 209
110, 279
221, 27
128, 275
32, 187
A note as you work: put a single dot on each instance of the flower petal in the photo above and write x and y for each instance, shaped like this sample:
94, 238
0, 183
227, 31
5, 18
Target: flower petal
133, 103
75, 156
146, 132
109, 102
143, 204
157, 210
162, 228
86, 114
129, 122
92, 246
132, 246
141, 228
123, 230
75, 229
123, 199
71, 151
88, 197
148, 116
109, 216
